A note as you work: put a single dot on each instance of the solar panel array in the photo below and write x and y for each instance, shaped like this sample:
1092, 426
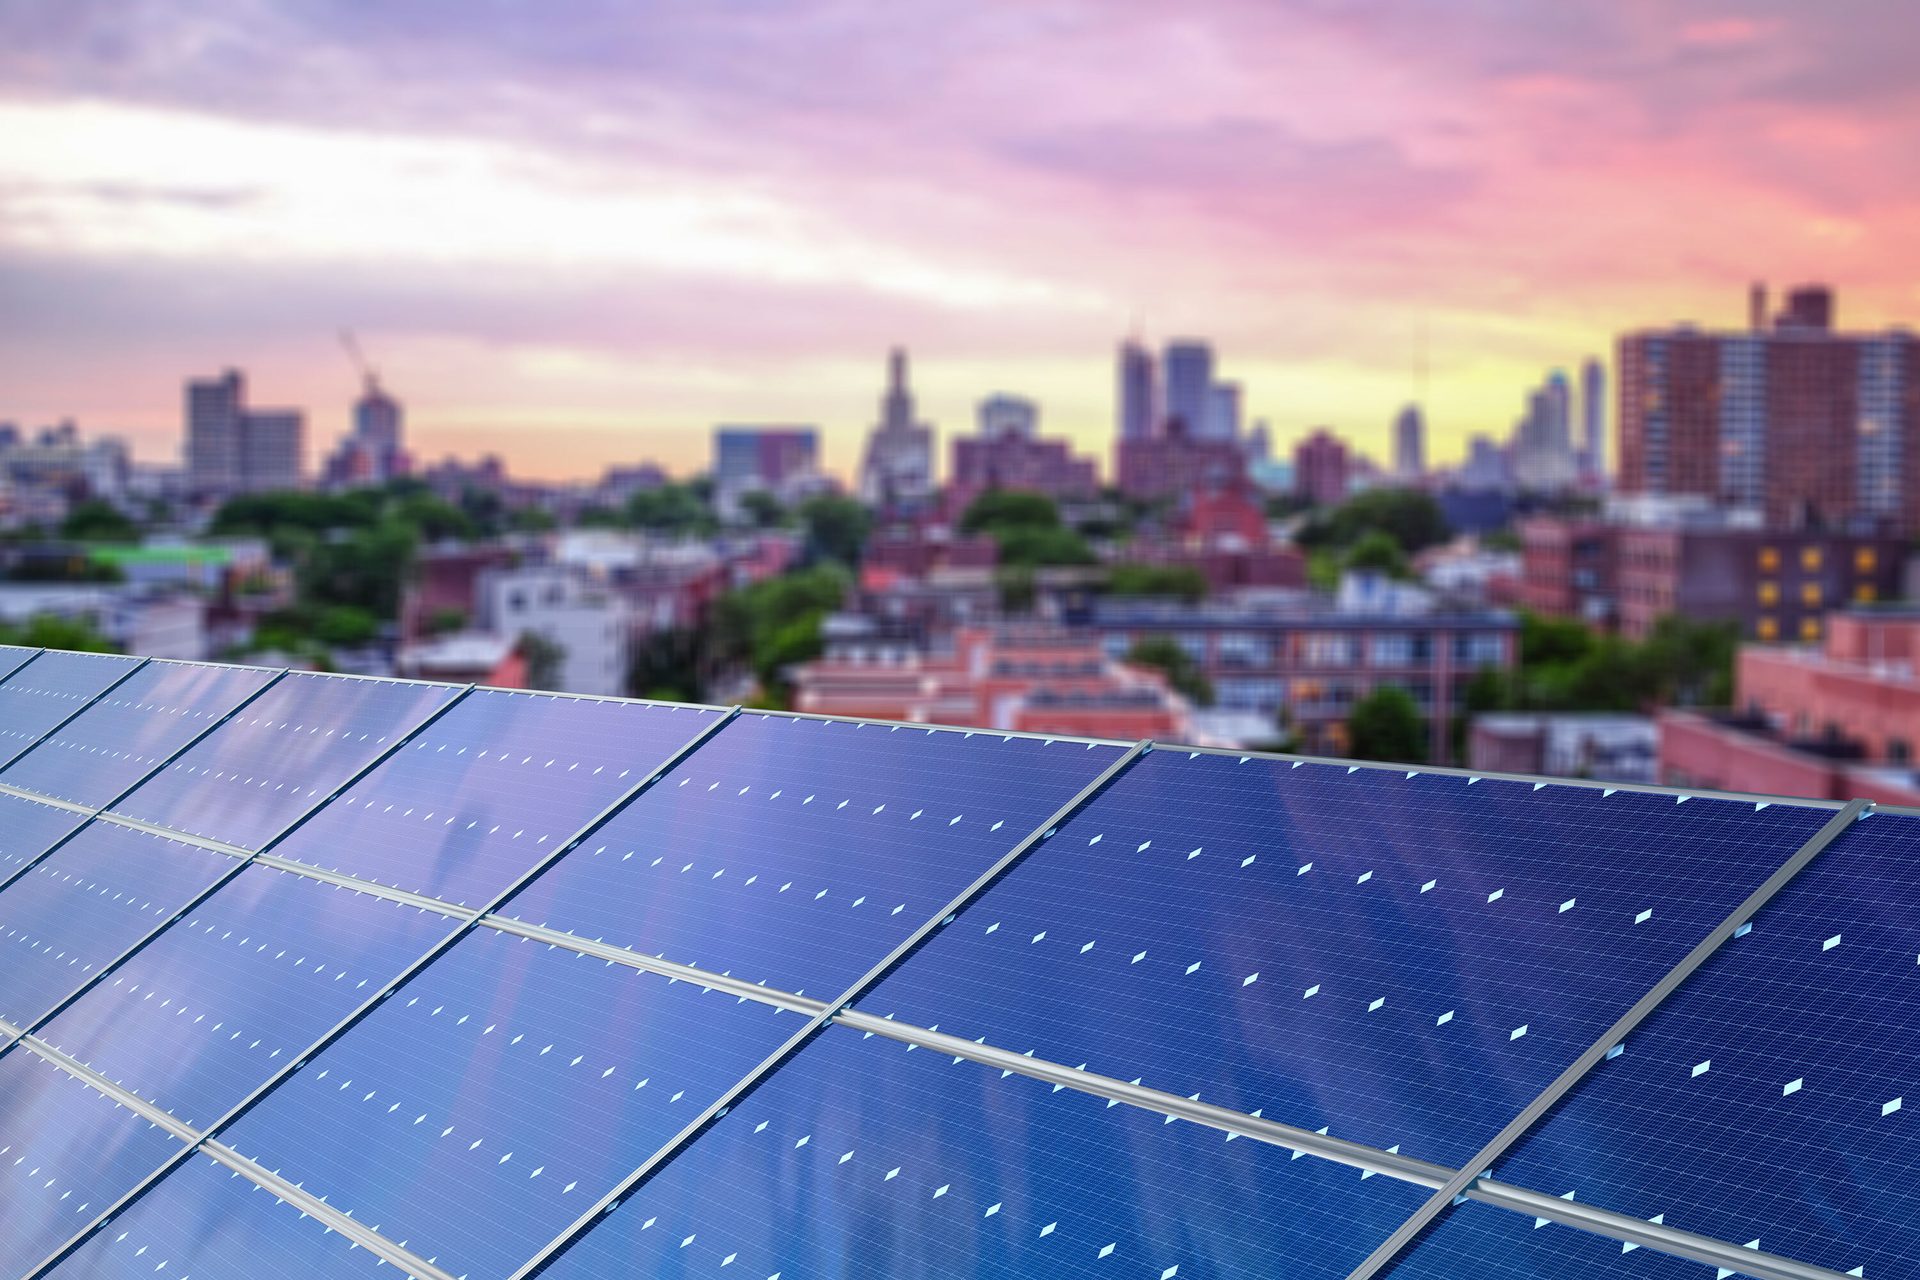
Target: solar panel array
308, 975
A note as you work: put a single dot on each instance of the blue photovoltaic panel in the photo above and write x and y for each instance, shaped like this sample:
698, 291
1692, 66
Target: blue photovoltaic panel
1486, 1243
48, 690
13, 657
205, 1222
240, 987
499, 782
287, 751
492, 1100
90, 900
66, 1153
28, 829
1775, 1095
1404, 961
800, 852
127, 733
862, 1158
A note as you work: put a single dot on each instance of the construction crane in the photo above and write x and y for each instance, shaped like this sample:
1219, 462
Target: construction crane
368, 373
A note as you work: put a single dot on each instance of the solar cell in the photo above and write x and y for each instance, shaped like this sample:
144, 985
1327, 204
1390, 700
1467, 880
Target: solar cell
490, 1101
240, 987
800, 852
87, 902
132, 730
206, 1222
28, 829
13, 657
1403, 961
49, 689
66, 1153
1773, 1096
1494, 1244
864, 1158
287, 751
499, 782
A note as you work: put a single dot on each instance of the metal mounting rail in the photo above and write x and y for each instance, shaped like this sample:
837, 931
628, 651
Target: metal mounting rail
747, 1083
1488, 1155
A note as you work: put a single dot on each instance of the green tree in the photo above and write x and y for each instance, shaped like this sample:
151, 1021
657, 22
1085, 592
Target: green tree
446, 621
97, 521
49, 631
773, 624
345, 626
673, 509
1411, 518
1387, 725
1178, 582
531, 520
999, 509
1182, 672
836, 528
1376, 551
545, 659
763, 510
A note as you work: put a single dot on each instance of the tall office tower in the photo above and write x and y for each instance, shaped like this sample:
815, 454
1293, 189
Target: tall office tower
1543, 455
1187, 368
899, 461
781, 461
1593, 421
214, 410
1223, 411
1410, 444
1811, 427
1138, 412
273, 450
1001, 414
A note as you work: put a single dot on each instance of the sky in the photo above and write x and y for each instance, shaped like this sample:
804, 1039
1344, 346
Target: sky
579, 232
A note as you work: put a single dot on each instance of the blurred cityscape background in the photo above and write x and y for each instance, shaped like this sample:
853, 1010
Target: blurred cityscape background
1438, 412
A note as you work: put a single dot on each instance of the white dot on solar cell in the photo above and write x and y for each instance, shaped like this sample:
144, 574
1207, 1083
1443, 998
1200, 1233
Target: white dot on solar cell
1830, 943
1377, 1002
1702, 1068
1250, 979
1363, 877
1891, 1105
992, 1209
1496, 895
1138, 957
1194, 967
1048, 1229
1304, 868
1087, 948
996, 826
1518, 1031
1039, 935
892, 1174
1443, 1019
805, 1138
1743, 930
1793, 1086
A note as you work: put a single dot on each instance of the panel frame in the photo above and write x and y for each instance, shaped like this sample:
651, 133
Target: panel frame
312, 1205
1497, 1146
626, 1186
121, 679
131, 787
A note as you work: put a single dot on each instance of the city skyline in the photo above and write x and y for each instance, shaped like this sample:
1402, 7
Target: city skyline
591, 242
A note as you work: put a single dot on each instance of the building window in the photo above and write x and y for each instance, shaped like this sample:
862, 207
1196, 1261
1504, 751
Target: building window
1865, 560
1390, 650
1898, 752
1809, 628
1810, 559
1480, 648
1769, 593
1769, 559
1324, 650
1239, 649
1766, 629
1864, 593
1810, 593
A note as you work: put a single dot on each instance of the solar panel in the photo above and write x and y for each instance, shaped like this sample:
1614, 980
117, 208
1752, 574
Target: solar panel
290, 748
87, 902
66, 1153
44, 692
206, 1222
865, 1158
500, 781
1793, 1057
489, 1102
1405, 961
28, 829
800, 852
126, 733
13, 657
240, 987
1493, 1244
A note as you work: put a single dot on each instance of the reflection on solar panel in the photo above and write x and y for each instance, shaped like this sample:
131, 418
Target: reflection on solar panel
325, 976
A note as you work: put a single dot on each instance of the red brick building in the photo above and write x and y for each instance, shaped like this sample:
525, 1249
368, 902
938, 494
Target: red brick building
1010, 460
1177, 464
1322, 469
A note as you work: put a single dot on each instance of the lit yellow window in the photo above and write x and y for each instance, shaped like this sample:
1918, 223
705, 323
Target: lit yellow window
1810, 628
1769, 559
1809, 558
1767, 629
1864, 560
1769, 593
1865, 593
1809, 593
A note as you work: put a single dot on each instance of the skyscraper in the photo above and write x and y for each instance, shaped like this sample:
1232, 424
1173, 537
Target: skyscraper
1138, 414
1593, 421
1810, 426
1409, 444
1223, 411
232, 449
1543, 457
899, 462
1188, 377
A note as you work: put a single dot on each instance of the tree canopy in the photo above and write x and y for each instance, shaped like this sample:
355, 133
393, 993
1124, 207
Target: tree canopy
1387, 725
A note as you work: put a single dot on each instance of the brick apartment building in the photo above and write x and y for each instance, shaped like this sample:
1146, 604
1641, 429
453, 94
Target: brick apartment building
1176, 464
1811, 426
1837, 721
1010, 460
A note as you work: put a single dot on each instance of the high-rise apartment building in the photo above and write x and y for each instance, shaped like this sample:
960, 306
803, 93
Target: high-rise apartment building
372, 452
899, 463
1543, 453
1322, 469
1188, 369
1593, 421
1809, 426
232, 449
1223, 411
781, 461
1138, 410
1409, 444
